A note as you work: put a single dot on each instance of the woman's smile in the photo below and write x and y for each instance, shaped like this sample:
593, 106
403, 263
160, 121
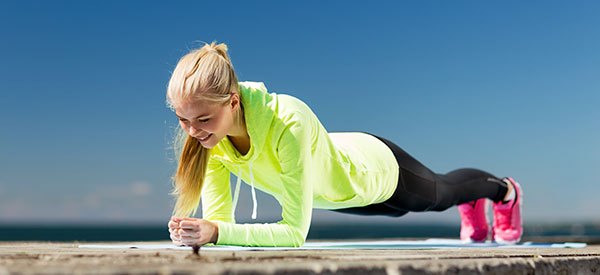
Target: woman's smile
204, 139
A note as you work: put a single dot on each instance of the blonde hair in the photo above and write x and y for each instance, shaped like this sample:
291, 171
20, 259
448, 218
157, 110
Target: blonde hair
207, 74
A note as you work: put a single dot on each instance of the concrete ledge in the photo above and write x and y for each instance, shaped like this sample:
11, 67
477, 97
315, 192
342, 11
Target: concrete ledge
66, 258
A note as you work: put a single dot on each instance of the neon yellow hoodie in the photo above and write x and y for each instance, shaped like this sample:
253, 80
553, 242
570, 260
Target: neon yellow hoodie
293, 158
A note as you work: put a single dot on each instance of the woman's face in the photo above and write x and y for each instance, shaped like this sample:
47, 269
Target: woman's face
207, 121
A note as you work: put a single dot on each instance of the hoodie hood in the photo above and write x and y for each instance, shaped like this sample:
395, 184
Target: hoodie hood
259, 111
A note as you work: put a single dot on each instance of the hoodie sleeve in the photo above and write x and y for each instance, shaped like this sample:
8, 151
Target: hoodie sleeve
294, 153
216, 193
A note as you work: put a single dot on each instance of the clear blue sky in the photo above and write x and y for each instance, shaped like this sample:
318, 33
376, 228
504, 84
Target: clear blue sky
511, 87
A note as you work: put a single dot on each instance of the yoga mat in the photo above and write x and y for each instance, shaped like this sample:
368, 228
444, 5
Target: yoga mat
396, 244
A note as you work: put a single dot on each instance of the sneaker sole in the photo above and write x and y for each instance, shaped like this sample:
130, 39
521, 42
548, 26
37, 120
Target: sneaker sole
501, 241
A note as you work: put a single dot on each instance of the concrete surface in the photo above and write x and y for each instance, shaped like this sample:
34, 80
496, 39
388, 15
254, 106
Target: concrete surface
67, 258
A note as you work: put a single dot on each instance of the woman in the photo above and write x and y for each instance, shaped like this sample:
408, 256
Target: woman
276, 143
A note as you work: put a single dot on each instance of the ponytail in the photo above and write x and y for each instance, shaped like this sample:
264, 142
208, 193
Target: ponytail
205, 73
188, 178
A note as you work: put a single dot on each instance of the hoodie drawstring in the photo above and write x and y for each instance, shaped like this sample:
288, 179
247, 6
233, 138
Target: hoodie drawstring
236, 193
254, 202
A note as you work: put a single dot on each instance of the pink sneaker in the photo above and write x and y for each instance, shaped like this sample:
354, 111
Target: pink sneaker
473, 221
507, 227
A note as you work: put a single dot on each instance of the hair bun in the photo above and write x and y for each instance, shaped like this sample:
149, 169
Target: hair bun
220, 48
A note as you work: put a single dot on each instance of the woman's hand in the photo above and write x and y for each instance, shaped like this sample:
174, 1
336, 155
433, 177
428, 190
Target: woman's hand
190, 231
174, 230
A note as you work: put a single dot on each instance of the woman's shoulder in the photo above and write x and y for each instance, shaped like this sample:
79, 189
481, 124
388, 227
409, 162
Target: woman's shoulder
252, 86
284, 106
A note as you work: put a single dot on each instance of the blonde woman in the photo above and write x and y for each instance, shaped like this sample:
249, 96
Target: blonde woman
275, 143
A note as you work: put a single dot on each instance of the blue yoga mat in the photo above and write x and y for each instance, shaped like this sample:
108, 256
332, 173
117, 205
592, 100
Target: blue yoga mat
390, 245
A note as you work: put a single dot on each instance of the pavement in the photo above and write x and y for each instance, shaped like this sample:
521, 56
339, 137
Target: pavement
67, 258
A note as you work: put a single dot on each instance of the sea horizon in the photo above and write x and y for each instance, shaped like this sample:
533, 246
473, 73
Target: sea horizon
96, 232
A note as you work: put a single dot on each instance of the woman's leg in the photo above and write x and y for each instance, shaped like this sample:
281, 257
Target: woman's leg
419, 189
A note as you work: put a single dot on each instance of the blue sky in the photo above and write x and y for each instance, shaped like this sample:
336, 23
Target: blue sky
510, 87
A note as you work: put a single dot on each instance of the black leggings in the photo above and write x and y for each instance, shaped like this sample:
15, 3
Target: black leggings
419, 189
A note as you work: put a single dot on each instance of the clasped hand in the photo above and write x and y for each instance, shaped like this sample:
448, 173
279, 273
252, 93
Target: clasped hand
192, 231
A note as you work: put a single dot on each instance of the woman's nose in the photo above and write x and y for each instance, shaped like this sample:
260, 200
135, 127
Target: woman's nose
193, 131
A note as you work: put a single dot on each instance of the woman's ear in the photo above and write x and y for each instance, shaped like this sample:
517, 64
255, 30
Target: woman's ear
235, 101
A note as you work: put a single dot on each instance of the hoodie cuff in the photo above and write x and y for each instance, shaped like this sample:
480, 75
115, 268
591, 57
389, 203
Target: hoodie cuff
224, 232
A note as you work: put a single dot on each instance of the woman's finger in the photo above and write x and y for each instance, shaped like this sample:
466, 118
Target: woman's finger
190, 241
186, 240
188, 225
173, 224
189, 233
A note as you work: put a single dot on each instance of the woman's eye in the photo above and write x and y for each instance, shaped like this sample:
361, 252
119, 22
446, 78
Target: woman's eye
203, 120
182, 120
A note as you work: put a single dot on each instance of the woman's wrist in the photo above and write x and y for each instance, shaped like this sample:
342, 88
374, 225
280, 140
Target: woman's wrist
215, 237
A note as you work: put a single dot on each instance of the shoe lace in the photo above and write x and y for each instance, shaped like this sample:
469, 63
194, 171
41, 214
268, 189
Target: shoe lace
503, 218
469, 214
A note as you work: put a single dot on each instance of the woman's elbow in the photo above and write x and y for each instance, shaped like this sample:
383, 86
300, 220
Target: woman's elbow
299, 238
